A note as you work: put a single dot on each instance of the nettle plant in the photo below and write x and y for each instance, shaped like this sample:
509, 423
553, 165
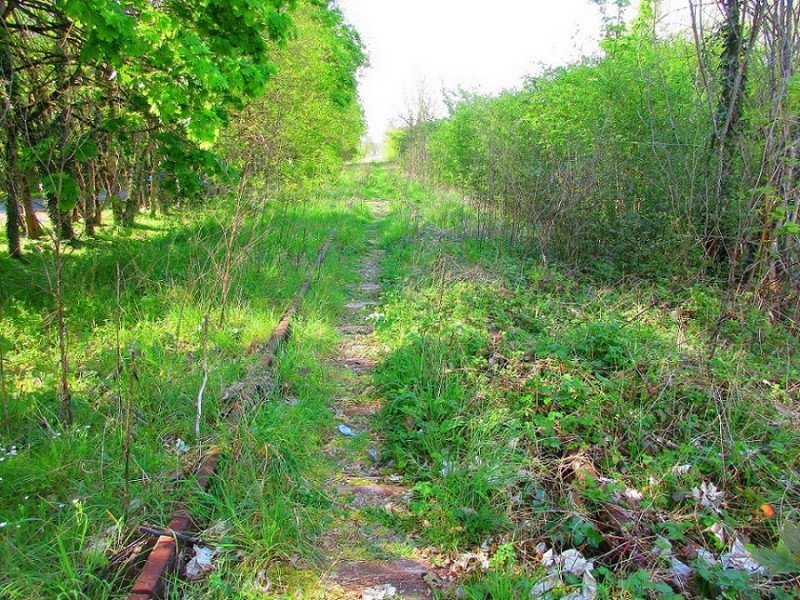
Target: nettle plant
784, 558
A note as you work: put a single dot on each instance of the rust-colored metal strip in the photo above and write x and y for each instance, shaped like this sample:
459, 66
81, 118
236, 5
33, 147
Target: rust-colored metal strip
150, 584
283, 329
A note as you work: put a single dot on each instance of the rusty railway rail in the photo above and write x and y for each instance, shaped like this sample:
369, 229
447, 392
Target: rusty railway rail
164, 553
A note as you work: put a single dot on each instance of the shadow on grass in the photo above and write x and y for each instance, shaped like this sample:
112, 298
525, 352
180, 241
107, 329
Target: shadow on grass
64, 483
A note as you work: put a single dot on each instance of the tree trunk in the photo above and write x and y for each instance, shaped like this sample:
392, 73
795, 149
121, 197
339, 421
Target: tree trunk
119, 184
728, 115
153, 190
10, 149
769, 246
12, 204
131, 208
135, 189
62, 221
90, 200
98, 210
32, 225
783, 49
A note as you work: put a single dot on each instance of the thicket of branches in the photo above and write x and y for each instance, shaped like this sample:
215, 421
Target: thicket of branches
670, 153
124, 105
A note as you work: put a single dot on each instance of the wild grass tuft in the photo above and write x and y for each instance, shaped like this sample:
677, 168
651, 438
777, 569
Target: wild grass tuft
62, 490
523, 401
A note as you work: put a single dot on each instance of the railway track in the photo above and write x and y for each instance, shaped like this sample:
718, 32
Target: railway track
162, 557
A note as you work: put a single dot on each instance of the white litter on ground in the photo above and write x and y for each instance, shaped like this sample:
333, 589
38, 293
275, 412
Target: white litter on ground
570, 562
202, 562
379, 592
709, 496
740, 559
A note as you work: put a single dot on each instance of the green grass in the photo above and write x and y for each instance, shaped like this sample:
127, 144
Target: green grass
62, 494
521, 402
504, 371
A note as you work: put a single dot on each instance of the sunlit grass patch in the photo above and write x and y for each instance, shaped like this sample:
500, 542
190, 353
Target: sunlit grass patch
64, 488
534, 404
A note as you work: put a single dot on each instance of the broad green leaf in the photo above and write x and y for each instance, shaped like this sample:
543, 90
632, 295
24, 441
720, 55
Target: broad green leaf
84, 150
790, 537
788, 229
65, 189
779, 560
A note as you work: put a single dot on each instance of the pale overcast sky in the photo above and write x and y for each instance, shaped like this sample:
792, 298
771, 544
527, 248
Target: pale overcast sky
471, 44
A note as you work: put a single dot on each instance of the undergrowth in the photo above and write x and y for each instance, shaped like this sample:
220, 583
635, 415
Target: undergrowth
546, 409
529, 408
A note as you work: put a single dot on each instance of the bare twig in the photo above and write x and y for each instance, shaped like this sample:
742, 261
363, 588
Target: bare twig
202, 390
128, 436
3, 388
189, 539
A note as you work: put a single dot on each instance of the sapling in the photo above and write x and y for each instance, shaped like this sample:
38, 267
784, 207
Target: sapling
126, 451
117, 327
232, 252
56, 281
785, 557
126, 409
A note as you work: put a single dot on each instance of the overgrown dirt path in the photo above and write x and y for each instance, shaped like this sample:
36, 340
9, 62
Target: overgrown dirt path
483, 425
365, 559
536, 434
